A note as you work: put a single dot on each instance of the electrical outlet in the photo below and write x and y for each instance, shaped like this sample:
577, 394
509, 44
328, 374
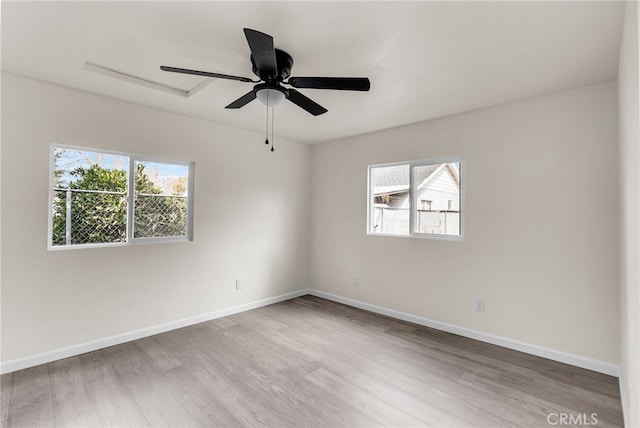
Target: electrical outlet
478, 304
356, 281
238, 285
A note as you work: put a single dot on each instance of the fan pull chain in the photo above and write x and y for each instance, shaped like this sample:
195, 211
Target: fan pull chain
273, 113
266, 140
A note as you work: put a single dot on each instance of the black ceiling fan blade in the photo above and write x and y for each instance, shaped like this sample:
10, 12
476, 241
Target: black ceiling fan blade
340, 83
306, 103
262, 51
243, 100
204, 73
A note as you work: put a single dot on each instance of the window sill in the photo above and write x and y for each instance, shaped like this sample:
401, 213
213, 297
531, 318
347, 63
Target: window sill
420, 236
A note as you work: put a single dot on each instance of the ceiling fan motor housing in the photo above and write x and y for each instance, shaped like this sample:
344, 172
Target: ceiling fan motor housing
284, 63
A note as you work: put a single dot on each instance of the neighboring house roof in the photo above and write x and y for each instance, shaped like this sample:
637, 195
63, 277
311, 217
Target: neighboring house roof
391, 190
395, 179
391, 176
453, 170
425, 173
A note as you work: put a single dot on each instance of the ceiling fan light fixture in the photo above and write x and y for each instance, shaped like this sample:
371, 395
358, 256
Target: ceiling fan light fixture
270, 97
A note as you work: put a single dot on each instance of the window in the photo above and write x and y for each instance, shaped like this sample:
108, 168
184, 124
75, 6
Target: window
426, 205
417, 198
100, 198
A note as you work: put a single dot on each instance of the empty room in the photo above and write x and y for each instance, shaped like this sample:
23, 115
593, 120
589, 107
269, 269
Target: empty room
320, 214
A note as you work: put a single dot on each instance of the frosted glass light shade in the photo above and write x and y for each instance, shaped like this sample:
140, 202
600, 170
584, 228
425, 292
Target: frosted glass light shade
275, 96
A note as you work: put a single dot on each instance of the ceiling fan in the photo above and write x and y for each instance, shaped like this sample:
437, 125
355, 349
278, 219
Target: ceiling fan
273, 67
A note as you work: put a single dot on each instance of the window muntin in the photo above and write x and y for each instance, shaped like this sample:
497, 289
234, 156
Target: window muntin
91, 199
416, 198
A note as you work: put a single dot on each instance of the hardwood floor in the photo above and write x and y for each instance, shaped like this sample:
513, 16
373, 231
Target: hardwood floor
307, 362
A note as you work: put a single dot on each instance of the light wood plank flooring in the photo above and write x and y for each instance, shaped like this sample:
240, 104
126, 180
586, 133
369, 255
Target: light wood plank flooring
306, 362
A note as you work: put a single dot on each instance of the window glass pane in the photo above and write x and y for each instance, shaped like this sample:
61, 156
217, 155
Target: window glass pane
437, 190
89, 197
390, 197
92, 202
161, 193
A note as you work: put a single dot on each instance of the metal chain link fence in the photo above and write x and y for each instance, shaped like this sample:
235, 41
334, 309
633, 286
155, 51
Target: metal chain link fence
160, 215
88, 216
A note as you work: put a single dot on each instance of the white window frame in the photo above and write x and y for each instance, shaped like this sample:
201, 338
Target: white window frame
130, 194
413, 202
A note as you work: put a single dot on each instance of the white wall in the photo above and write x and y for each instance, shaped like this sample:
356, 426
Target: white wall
552, 274
251, 221
549, 276
629, 99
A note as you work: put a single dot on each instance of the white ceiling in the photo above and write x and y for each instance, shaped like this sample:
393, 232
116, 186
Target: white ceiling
424, 59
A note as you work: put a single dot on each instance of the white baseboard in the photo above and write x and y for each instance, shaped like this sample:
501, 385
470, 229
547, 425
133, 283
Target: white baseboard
57, 354
563, 357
